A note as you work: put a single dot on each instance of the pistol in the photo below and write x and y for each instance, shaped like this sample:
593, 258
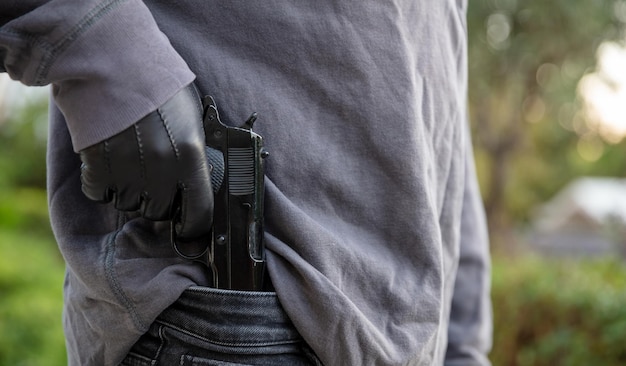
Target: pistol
235, 254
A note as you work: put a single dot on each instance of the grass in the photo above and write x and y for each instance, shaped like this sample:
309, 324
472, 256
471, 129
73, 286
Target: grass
31, 280
559, 312
31, 283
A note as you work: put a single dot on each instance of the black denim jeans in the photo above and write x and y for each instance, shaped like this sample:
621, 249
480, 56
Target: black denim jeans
207, 326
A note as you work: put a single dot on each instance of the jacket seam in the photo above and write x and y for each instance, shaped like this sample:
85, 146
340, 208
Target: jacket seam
87, 22
51, 51
27, 38
111, 276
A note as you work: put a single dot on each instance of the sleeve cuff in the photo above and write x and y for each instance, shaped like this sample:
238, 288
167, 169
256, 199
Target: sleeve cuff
107, 61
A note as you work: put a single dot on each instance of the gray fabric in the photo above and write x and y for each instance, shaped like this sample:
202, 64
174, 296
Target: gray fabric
375, 233
89, 51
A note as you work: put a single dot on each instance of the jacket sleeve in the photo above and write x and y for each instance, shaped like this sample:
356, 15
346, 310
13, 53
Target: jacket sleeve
470, 327
107, 61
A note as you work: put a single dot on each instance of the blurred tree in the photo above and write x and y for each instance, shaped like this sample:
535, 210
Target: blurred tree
525, 61
23, 133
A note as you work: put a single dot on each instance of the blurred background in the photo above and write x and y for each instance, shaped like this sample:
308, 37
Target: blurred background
547, 97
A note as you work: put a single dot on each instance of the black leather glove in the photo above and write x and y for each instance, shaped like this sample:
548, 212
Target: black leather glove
157, 166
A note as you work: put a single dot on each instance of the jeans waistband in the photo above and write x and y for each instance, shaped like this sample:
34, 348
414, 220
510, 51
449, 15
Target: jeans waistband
231, 318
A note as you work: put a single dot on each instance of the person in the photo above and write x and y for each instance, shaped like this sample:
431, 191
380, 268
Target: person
375, 236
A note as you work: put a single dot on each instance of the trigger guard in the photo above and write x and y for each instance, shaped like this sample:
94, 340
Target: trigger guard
182, 254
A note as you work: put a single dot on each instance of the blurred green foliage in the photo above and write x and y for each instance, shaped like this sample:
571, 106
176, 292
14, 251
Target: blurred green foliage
550, 312
31, 267
526, 59
24, 210
23, 146
31, 283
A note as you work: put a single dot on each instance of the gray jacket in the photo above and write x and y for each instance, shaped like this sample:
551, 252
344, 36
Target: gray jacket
375, 233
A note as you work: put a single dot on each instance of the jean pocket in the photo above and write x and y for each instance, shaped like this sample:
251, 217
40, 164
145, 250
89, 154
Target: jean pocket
198, 361
133, 359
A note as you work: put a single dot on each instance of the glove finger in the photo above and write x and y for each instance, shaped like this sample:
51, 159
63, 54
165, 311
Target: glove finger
196, 209
157, 209
160, 168
127, 170
127, 200
94, 174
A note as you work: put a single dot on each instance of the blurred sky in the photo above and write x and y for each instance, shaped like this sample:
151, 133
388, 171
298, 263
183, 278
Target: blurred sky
14, 95
604, 93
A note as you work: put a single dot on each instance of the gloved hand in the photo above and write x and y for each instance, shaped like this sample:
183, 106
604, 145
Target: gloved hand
157, 166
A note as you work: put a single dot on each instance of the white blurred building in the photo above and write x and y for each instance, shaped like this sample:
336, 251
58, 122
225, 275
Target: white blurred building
587, 218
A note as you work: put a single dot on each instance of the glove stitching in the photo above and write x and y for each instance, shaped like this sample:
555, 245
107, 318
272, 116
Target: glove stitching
170, 135
107, 157
142, 162
183, 204
110, 191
